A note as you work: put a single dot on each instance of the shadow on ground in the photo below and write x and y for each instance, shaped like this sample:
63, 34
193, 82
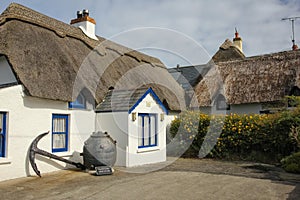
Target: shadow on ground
239, 168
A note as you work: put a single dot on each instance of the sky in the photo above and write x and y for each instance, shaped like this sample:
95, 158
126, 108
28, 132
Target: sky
183, 32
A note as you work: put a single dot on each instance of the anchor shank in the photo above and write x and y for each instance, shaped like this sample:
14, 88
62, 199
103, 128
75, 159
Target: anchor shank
50, 155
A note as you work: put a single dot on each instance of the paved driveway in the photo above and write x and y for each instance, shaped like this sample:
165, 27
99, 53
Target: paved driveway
184, 179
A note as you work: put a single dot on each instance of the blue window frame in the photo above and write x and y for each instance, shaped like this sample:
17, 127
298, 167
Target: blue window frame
60, 132
3, 118
147, 133
80, 102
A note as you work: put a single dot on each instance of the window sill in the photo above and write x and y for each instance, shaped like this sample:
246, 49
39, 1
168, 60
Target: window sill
147, 149
81, 109
63, 154
4, 161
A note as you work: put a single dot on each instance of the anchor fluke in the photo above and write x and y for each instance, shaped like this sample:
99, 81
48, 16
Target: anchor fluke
35, 150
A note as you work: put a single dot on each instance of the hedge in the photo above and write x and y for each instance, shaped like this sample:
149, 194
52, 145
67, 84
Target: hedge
264, 138
292, 163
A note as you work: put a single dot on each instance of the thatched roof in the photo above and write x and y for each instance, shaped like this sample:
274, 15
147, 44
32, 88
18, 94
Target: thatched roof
228, 51
54, 60
264, 78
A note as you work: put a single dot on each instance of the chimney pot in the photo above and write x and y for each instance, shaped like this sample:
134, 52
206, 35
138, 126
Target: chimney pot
295, 47
237, 41
85, 12
85, 23
79, 14
178, 67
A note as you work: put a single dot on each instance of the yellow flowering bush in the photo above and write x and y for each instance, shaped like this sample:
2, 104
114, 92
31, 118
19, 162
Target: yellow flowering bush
237, 136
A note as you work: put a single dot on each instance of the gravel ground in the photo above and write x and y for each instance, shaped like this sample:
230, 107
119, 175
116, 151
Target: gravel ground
182, 179
238, 168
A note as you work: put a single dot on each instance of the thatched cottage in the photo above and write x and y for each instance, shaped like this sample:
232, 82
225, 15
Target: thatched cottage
233, 83
52, 77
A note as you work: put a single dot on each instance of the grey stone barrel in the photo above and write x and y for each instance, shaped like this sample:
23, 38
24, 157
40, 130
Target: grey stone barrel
99, 150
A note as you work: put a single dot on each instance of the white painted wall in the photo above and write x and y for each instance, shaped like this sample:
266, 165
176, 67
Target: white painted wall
6, 74
29, 117
116, 125
148, 155
125, 131
88, 28
253, 108
170, 117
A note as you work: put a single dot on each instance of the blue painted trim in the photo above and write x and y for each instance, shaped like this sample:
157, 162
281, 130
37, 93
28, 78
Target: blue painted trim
143, 132
66, 117
149, 91
149, 123
74, 104
3, 133
77, 104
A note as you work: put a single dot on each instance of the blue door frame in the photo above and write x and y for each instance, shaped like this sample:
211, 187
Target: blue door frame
3, 135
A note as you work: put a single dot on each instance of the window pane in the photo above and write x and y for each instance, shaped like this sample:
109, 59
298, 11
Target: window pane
80, 102
80, 99
152, 130
222, 104
55, 125
140, 132
2, 135
59, 141
146, 131
1, 144
59, 125
1, 122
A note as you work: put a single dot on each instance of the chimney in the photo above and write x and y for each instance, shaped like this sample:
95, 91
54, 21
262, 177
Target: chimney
177, 67
237, 41
295, 47
85, 23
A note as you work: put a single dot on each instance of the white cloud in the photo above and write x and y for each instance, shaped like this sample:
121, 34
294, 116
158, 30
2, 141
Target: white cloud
207, 22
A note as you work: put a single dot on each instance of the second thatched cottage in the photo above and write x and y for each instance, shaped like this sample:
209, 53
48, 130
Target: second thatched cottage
52, 76
233, 83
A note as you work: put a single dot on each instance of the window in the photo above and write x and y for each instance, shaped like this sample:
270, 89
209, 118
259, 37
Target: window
60, 132
295, 91
78, 103
2, 134
147, 135
221, 103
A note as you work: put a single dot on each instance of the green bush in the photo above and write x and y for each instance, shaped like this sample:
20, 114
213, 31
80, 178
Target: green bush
256, 137
292, 163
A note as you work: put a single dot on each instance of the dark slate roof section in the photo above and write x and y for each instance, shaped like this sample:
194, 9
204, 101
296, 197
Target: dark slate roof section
189, 76
121, 100
126, 100
8, 84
